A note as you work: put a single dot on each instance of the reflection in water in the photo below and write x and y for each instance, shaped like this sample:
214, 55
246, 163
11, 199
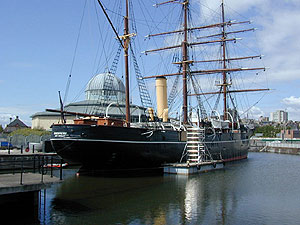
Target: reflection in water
193, 195
244, 193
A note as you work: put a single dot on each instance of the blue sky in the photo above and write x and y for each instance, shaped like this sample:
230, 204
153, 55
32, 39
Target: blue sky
38, 39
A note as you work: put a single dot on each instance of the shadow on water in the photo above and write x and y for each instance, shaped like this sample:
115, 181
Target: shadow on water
69, 207
141, 172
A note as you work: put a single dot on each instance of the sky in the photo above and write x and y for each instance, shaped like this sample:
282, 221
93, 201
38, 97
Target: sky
38, 41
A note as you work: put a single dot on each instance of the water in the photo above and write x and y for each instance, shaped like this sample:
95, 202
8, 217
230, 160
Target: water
264, 189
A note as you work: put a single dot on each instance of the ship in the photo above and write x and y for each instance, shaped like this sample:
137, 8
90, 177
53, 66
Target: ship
103, 143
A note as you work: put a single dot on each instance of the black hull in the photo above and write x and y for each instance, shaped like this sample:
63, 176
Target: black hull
120, 148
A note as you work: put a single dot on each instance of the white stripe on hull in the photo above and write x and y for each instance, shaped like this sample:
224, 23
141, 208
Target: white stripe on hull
143, 142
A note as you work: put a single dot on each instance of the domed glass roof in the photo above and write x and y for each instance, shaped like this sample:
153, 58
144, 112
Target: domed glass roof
98, 88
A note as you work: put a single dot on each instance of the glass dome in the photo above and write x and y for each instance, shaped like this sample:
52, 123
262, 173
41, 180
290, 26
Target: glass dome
97, 88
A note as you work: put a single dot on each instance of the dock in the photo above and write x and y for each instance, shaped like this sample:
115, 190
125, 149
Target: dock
23, 176
198, 158
193, 168
26, 182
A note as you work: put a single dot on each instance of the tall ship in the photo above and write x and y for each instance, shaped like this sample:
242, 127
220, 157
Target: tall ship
102, 142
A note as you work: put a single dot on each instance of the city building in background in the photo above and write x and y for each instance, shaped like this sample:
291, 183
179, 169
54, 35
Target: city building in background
280, 116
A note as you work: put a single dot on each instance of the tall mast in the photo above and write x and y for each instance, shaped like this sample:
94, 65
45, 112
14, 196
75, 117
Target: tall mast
125, 45
126, 39
185, 63
224, 63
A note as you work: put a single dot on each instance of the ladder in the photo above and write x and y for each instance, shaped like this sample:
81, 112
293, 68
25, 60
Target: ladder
144, 94
196, 152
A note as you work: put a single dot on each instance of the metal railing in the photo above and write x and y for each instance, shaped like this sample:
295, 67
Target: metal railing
44, 164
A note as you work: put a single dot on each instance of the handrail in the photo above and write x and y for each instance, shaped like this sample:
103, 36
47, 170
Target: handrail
232, 121
38, 163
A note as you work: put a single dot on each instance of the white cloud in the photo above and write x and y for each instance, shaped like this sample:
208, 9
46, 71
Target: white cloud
292, 101
23, 111
292, 106
5, 118
277, 34
255, 112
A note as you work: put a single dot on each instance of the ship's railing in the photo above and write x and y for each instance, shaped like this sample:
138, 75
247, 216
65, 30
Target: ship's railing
156, 125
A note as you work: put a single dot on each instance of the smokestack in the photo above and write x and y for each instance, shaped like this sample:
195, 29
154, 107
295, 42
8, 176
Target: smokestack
161, 98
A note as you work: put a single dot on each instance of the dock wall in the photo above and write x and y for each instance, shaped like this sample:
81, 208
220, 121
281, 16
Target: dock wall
275, 146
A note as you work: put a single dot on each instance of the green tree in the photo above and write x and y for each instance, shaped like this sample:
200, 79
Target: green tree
1, 128
29, 131
268, 131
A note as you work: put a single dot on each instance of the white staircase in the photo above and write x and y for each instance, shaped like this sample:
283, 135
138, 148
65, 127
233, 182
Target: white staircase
195, 144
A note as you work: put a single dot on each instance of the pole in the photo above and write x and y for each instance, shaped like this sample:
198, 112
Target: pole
224, 64
185, 64
126, 45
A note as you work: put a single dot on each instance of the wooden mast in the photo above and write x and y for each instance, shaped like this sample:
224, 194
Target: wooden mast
125, 45
224, 59
224, 64
185, 64
126, 39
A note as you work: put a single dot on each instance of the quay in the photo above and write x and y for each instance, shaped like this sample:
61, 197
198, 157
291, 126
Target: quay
26, 182
193, 168
275, 145
22, 179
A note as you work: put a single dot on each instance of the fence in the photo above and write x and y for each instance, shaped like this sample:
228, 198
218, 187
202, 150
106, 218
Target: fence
44, 164
19, 140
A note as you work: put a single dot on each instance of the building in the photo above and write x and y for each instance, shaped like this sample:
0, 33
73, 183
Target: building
263, 119
14, 125
99, 100
290, 134
279, 116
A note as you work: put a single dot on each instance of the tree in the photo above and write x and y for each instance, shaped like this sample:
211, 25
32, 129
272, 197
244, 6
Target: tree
268, 131
1, 128
29, 131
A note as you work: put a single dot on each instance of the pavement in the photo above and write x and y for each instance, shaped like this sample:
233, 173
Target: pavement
10, 183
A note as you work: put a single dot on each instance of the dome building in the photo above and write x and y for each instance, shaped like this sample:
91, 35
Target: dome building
96, 88
98, 96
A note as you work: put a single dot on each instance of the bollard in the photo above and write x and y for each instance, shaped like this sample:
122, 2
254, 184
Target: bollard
21, 149
33, 148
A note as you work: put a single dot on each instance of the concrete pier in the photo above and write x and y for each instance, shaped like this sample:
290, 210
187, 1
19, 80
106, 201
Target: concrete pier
193, 168
23, 176
14, 183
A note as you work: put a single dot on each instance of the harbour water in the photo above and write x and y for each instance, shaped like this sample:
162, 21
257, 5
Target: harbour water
264, 189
